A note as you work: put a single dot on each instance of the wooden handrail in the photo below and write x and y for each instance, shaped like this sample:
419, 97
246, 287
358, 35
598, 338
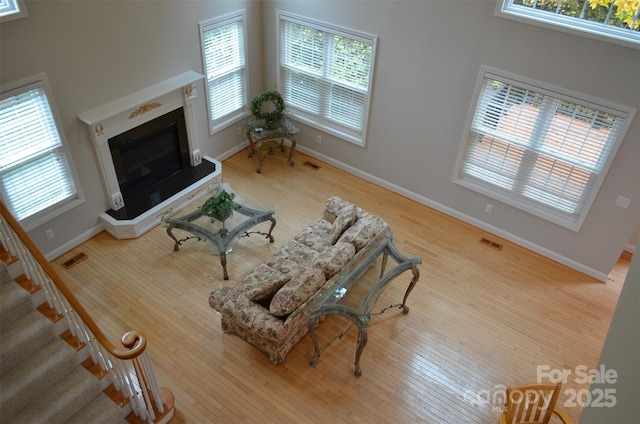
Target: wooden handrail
134, 341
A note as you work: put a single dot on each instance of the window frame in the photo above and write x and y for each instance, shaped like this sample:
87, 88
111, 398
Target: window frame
568, 24
15, 9
73, 200
219, 123
514, 198
321, 121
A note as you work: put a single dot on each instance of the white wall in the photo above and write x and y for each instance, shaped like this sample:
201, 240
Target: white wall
96, 51
429, 53
620, 354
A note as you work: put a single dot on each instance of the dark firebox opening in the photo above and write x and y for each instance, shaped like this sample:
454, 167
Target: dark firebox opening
152, 164
149, 153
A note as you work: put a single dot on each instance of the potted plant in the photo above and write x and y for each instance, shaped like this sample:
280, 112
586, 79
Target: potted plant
220, 206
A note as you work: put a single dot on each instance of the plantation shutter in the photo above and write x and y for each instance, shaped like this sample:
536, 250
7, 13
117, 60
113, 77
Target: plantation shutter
325, 75
224, 58
539, 148
34, 173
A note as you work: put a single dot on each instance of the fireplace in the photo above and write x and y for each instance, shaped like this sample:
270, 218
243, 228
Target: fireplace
148, 152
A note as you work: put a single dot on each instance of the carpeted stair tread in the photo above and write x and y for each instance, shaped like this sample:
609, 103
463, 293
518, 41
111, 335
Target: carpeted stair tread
33, 377
15, 302
23, 339
41, 381
58, 405
100, 410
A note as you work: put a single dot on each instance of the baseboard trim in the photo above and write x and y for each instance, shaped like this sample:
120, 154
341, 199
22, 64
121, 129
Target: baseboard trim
74, 242
232, 151
601, 276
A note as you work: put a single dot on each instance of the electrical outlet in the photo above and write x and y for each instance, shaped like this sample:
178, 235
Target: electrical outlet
623, 202
239, 131
49, 234
319, 139
488, 208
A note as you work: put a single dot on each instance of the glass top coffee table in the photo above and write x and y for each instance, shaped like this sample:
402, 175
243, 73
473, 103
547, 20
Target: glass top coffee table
355, 291
220, 236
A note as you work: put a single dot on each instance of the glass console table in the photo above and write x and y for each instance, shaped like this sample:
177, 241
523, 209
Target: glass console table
220, 236
355, 292
265, 141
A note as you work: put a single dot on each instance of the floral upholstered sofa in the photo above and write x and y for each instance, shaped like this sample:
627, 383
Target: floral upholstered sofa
267, 307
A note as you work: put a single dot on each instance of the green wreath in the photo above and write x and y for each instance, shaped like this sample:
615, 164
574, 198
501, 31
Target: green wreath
268, 96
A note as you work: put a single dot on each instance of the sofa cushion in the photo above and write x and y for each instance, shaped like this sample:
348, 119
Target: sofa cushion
262, 283
362, 231
332, 207
291, 257
234, 305
297, 291
316, 236
345, 218
332, 260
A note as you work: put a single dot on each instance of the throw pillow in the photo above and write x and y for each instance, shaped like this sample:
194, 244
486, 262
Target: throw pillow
297, 291
262, 283
332, 260
345, 218
363, 231
316, 236
291, 256
332, 207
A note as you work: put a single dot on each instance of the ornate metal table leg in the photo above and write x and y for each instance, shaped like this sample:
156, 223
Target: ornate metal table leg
252, 144
258, 151
414, 280
273, 224
176, 246
223, 261
291, 150
314, 339
362, 342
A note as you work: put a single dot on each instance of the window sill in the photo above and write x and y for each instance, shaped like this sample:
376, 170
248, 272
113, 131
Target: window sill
567, 25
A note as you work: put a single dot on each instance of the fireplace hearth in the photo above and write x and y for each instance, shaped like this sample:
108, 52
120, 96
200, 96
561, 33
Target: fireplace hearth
147, 148
156, 193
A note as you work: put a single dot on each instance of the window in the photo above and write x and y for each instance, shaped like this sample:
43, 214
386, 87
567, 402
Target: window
36, 178
223, 51
539, 148
615, 21
325, 75
12, 9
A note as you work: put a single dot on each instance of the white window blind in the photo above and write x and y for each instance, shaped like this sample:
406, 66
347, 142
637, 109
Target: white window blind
12, 9
34, 172
223, 50
326, 75
538, 149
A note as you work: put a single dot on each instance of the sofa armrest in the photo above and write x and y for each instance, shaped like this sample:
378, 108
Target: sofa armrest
245, 313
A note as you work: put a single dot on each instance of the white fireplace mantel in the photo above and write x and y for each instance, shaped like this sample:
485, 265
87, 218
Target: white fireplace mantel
130, 111
121, 115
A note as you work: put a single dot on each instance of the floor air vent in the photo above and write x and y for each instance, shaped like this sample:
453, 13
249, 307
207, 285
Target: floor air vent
311, 165
75, 260
490, 243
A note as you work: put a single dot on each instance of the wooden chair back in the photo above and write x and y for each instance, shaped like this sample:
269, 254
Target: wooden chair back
530, 403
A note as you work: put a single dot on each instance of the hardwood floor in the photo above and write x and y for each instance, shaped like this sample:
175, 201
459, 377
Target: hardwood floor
479, 317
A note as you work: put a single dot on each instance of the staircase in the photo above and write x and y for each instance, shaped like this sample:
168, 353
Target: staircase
41, 379
56, 365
